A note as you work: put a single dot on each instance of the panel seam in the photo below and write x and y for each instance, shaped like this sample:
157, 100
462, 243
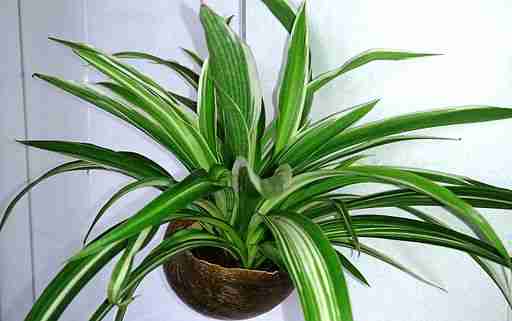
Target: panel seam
243, 19
85, 79
27, 160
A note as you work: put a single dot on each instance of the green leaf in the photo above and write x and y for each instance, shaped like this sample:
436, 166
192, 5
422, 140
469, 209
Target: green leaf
146, 182
442, 177
268, 187
477, 196
180, 241
316, 135
352, 269
230, 233
310, 164
165, 206
342, 210
321, 182
298, 182
499, 279
362, 59
232, 66
414, 121
461, 209
270, 251
256, 230
269, 133
102, 311
230, 19
190, 76
125, 263
313, 266
292, 90
191, 104
394, 263
157, 102
152, 127
349, 161
64, 168
238, 137
207, 108
283, 11
194, 56
139, 106
135, 116
129, 163
402, 229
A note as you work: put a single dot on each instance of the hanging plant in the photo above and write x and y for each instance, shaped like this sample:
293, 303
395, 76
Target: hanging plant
264, 208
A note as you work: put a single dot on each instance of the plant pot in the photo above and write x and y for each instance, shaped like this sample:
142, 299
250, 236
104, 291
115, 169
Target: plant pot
208, 283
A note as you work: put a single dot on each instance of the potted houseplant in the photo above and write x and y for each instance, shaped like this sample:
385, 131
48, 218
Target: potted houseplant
263, 206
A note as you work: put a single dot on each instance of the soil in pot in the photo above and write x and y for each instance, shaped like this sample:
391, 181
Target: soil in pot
210, 282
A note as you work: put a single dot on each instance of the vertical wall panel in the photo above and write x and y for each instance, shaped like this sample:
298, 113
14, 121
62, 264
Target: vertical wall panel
15, 260
59, 206
476, 69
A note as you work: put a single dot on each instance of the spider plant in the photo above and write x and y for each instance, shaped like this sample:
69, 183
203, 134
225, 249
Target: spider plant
263, 190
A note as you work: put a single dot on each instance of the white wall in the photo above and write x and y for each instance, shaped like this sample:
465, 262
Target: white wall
476, 69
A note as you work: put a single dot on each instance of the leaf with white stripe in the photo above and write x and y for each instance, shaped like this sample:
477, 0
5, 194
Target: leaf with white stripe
342, 210
143, 183
414, 121
311, 164
64, 168
283, 11
190, 76
180, 241
129, 110
125, 263
352, 269
293, 87
163, 207
471, 217
232, 65
194, 57
361, 60
314, 267
316, 135
156, 102
207, 108
129, 163
411, 230
238, 136
392, 262
500, 279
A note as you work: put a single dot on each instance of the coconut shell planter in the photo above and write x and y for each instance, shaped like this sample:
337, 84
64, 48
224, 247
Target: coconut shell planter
260, 193
208, 281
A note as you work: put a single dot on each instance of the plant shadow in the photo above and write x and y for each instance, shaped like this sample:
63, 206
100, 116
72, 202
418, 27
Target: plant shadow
291, 309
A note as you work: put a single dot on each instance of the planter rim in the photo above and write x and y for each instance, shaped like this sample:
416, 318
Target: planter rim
235, 269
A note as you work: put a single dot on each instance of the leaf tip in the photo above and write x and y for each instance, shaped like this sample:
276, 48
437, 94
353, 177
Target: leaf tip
38, 76
21, 141
373, 102
58, 40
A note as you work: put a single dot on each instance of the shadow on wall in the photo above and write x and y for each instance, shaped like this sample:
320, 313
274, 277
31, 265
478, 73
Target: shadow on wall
291, 308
